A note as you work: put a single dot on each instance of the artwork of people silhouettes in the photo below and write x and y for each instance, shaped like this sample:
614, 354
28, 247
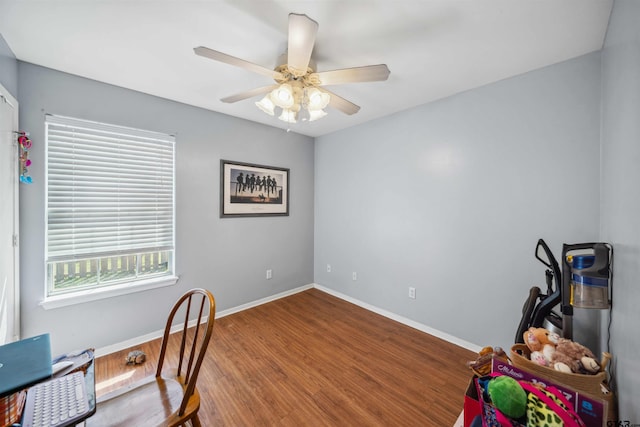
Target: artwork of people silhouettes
240, 183
251, 182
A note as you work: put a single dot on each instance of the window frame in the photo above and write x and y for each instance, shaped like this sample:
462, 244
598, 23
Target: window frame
141, 280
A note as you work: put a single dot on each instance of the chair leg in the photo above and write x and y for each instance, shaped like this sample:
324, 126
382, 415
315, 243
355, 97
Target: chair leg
195, 421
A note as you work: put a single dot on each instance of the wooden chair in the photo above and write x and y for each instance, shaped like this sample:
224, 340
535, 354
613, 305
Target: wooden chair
166, 400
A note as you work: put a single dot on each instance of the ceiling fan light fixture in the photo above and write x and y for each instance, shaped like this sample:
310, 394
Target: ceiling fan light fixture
288, 116
303, 115
293, 101
316, 99
297, 94
266, 105
283, 96
316, 114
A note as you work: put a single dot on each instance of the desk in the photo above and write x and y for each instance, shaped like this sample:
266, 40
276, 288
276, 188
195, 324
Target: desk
85, 358
90, 384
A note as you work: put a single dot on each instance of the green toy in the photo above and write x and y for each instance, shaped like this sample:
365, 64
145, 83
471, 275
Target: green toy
508, 396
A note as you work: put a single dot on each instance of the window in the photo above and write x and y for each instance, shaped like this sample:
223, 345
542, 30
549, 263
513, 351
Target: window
110, 206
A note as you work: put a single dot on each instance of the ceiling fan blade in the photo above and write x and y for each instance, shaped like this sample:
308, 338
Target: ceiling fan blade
341, 104
248, 94
302, 37
369, 73
232, 60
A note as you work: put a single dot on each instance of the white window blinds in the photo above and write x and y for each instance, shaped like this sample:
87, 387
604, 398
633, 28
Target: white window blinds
110, 190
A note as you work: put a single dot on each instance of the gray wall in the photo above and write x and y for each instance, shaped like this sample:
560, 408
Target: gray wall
451, 198
227, 256
8, 68
620, 196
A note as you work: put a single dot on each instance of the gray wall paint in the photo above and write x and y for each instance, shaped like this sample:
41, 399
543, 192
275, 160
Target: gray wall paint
451, 198
8, 68
227, 256
620, 196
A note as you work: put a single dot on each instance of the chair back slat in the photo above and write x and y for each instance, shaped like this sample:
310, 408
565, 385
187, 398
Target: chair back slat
197, 346
196, 335
183, 340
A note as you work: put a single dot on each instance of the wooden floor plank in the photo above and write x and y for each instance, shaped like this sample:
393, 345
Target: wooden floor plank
312, 359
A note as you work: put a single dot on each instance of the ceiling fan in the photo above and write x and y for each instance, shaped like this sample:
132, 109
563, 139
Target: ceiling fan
299, 92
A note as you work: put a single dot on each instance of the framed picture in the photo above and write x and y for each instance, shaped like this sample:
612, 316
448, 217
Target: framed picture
253, 190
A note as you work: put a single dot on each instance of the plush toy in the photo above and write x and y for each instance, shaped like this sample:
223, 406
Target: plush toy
539, 358
542, 344
508, 396
561, 354
482, 365
572, 357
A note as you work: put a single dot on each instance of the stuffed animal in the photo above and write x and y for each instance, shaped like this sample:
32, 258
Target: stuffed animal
542, 344
539, 358
508, 396
572, 357
482, 365
561, 354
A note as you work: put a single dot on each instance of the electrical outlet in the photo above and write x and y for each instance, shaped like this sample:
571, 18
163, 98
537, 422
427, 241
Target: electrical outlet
354, 275
328, 268
412, 292
269, 274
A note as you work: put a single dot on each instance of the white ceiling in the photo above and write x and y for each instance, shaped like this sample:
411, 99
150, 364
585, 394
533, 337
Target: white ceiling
434, 48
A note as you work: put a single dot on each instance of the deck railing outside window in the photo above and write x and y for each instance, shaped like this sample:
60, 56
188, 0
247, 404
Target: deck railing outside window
74, 275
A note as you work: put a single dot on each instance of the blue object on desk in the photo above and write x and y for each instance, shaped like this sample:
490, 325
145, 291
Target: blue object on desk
24, 363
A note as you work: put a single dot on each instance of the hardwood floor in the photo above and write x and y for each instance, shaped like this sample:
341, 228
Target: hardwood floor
312, 359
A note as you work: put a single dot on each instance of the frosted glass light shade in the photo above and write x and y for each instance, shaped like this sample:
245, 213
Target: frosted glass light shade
316, 114
316, 99
282, 96
294, 101
266, 105
288, 116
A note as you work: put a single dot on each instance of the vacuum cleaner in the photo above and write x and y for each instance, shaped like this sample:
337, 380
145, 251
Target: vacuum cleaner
583, 282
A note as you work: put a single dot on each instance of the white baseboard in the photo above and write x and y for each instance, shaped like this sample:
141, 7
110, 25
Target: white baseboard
157, 334
262, 301
139, 340
419, 326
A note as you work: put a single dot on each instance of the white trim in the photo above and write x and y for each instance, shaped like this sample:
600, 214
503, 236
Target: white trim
142, 339
261, 301
411, 323
79, 297
14, 333
423, 328
157, 334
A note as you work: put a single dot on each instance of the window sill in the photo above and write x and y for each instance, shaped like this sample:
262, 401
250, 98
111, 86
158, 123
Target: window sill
106, 292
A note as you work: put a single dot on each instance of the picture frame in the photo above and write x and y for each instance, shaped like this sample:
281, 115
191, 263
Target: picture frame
250, 190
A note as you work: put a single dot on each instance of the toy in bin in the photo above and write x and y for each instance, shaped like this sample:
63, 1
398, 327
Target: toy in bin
507, 396
561, 354
507, 402
482, 365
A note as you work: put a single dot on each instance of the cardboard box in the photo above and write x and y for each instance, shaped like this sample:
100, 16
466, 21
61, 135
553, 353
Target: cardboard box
591, 410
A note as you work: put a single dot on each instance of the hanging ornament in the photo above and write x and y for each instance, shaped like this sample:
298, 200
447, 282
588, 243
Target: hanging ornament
25, 144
